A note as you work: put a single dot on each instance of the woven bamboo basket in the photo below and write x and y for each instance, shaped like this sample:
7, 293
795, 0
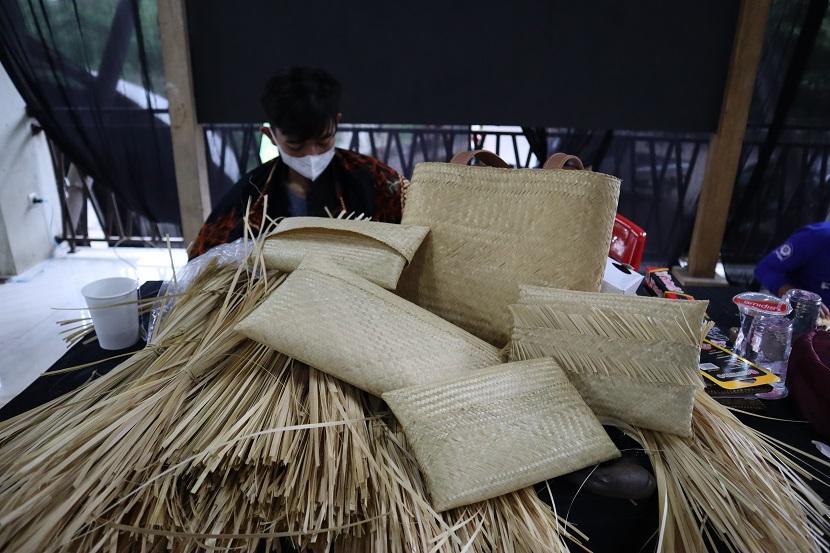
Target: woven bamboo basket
532, 420
375, 251
492, 228
353, 329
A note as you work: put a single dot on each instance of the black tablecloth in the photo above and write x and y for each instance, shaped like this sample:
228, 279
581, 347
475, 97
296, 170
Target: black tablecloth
613, 525
46, 388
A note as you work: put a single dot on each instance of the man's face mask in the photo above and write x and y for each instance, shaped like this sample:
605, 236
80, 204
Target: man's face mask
310, 166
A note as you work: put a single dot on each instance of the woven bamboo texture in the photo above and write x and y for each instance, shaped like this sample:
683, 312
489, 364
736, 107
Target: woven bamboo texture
686, 313
491, 229
346, 326
633, 359
532, 420
375, 251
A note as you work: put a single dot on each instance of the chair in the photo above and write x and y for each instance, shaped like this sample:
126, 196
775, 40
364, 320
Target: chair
627, 242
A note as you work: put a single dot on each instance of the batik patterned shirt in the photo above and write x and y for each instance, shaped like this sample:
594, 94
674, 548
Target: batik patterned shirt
352, 182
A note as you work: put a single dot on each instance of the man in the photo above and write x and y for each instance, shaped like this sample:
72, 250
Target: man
310, 176
803, 261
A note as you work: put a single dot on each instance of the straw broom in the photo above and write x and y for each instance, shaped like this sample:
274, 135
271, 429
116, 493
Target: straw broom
105, 508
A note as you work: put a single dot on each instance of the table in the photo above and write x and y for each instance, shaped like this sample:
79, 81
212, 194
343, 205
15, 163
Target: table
46, 388
613, 525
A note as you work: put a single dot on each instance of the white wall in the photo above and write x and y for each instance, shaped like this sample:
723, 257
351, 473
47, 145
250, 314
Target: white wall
25, 168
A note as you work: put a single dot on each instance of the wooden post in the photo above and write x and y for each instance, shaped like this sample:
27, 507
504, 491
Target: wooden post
188, 138
725, 146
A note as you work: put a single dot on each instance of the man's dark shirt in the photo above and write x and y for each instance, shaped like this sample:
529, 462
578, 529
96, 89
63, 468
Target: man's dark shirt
352, 182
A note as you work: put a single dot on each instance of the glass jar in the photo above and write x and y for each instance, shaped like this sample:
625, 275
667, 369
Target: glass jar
806, 306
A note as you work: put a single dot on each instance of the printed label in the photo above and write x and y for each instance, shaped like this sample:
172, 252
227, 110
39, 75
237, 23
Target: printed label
767, 306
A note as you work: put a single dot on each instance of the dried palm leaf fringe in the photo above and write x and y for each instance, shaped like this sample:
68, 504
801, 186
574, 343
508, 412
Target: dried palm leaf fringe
732, 485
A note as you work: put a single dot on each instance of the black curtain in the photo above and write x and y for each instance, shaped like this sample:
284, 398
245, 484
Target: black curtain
91, 73
784, 174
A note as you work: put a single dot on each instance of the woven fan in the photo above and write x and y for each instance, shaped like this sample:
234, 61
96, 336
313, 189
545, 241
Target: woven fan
353, 329
492, 228
498, 430
375, 251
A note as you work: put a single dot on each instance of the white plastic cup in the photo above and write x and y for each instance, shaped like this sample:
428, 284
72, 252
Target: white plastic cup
113, 303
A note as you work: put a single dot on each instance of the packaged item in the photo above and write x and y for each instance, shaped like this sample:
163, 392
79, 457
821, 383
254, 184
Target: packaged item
660, 281
752, 306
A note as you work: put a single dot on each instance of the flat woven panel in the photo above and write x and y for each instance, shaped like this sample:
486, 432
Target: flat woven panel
498, 430
492, 229
649, 361
346, 326
660, 406
633, 359
376, 251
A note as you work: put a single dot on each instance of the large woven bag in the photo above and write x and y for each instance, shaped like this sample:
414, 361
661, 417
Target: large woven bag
376, 251
633, 359
493, 227
344, 325
498, 430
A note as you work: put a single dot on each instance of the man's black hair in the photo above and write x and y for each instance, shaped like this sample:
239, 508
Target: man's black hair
302, 102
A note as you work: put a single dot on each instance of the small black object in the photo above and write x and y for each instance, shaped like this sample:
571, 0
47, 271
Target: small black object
621, 479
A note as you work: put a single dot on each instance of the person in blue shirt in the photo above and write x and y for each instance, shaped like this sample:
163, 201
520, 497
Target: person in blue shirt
802, 261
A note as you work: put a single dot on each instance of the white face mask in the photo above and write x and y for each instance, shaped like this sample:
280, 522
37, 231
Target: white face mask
310, 166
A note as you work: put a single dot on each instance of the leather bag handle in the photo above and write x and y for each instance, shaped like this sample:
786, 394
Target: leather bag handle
560, 160
486, 157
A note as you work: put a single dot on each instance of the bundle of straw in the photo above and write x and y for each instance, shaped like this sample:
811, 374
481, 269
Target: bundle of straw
721, 483
729, 484
206, 440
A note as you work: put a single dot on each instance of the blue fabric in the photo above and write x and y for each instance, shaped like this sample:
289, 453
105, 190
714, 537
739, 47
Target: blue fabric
803, 261
299, 204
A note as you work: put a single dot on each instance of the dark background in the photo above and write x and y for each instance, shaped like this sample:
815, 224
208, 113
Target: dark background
589, 64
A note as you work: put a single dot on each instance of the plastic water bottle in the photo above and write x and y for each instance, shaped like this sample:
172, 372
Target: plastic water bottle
770, 345
752, 306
